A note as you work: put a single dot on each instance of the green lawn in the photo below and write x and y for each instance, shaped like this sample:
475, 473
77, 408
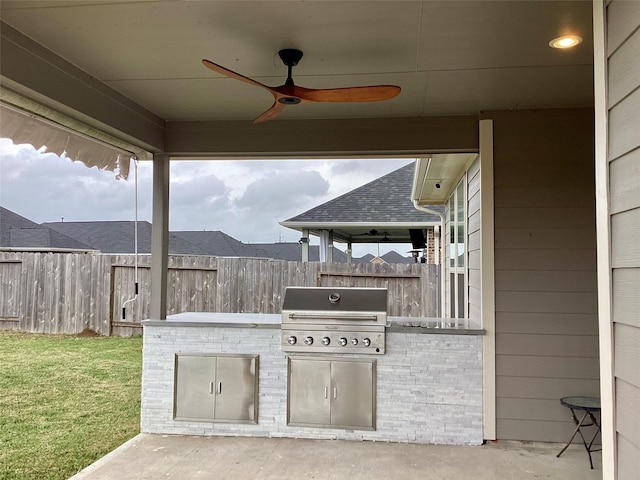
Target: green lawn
65, 401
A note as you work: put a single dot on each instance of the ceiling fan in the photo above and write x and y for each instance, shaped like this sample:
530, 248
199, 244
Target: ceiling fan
375, 233
291, 94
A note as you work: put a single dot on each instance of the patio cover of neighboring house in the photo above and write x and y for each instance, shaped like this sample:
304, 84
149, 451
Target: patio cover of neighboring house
476, 77
378, 212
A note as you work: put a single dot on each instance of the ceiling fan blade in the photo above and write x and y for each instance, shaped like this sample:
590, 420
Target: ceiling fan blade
374, 93
231, 74
272, 113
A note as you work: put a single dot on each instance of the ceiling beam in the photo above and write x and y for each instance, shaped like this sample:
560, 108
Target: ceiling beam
381, 137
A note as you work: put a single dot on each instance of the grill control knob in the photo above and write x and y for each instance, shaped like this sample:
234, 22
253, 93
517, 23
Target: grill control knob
292, 340
342, 341
366, 342
354, 341
308, 340
326, 341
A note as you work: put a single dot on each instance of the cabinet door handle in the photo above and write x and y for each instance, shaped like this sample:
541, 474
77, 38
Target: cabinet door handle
326, 392
210, 388
335, 392
219, 388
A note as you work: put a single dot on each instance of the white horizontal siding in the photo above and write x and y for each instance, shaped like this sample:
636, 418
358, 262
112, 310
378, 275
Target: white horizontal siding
624, 120
626, 299
627, 354
623, 18
624, 173
623, 43
624, 72
625, 232
627, 411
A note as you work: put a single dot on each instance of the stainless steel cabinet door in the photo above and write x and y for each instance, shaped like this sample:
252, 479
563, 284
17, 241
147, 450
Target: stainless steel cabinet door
218, 388
194, 387
352, 394
309, 386
235, 389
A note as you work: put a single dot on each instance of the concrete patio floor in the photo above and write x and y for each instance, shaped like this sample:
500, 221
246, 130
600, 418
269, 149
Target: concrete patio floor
149, 456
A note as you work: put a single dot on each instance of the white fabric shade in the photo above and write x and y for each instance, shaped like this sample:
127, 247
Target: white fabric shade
22, 127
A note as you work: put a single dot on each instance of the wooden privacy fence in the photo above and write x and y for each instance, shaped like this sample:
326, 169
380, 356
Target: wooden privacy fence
70, 293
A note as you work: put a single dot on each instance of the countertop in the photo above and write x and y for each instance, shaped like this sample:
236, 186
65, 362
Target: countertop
272, 320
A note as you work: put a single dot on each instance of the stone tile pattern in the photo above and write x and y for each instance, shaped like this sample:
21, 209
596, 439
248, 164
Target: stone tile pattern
429, 386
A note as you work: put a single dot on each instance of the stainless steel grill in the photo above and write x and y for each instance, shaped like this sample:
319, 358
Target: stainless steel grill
334, 320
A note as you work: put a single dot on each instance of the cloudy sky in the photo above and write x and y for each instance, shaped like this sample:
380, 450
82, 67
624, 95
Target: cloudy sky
244, 199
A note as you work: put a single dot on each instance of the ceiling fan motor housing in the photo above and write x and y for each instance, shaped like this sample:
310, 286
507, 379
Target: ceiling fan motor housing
290, 56
289, 100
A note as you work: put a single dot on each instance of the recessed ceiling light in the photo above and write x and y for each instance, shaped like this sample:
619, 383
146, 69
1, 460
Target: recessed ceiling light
565, 42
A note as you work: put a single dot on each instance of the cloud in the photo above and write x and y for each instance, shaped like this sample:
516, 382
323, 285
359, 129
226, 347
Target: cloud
245, 199
199, 191
282, 191
44, 187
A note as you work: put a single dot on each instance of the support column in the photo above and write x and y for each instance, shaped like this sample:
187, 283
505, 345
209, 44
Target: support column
159, 238
487, 270
324, 246
305, 245
349, 252
606, 337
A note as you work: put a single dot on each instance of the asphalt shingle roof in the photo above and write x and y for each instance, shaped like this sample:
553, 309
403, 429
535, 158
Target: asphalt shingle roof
17, 231
119, 237
385, 199
215, 243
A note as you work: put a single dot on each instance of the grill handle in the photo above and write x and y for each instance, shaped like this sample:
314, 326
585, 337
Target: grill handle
315, 316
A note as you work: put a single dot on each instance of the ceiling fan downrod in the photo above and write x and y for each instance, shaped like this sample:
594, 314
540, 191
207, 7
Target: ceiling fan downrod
290, 57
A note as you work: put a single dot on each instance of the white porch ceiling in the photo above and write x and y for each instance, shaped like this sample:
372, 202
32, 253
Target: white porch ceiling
449, 57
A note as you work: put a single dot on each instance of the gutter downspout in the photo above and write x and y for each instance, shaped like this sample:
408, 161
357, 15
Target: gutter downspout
441, 256
414, 199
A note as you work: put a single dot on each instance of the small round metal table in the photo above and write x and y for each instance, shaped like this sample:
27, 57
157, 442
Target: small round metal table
588, 405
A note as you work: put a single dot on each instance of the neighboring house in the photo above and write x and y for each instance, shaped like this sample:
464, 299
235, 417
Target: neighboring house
222, 245
18, 233
119, 237
380, 211
214, 243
